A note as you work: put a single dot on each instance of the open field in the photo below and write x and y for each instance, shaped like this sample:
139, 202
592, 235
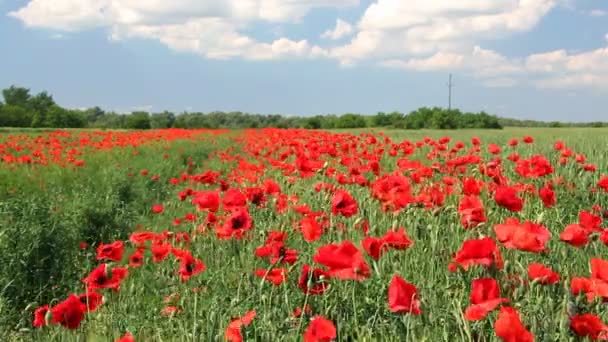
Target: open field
284, 235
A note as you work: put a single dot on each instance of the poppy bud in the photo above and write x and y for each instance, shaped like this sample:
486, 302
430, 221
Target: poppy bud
108, 272
48, 317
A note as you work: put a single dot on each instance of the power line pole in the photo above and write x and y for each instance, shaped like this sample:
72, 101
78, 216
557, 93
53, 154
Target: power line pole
450, 86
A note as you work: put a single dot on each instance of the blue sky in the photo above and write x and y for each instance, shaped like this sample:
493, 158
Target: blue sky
535, 59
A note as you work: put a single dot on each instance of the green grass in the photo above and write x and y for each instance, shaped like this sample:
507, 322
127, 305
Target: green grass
48, 211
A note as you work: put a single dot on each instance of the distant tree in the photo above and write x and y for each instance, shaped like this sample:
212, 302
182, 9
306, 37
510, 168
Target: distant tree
312, 122
55, 117
351, 121
138, 120
42, 102
14, 116
93, 114
162, 120
16, 96
381, 120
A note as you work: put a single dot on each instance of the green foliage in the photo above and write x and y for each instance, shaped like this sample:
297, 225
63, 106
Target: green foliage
44, 220
351, 121
439, 118
162, 120
138, 120
24, 110
14, 116
16, 96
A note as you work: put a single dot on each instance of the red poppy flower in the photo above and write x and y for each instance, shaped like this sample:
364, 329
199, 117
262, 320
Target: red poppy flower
485, 297
589, 325
509, 327
477, 252
599, 269
494, 149
313, 281
471, 212
68, 313
128, 337
506, 197
547, 195
575, 234
233, 331
558, 145
471, 187
233, 199
603, 183
344, 204
374, 247
344, 261
525, 236
112, 251
604, 237
207, 200
40, 316
91, 300
160, 251
103, 277
311, 230
236, 225
170, 310
589, 221
139, 238
137, 258
320, 329
158, 208
542, 274
276, 275
189, 265
403, 296
397, 239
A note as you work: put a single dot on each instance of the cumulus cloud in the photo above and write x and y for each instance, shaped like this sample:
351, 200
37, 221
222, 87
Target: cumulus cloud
560, 69
393, 29
210, 28
598, 13
418, 35
342, 29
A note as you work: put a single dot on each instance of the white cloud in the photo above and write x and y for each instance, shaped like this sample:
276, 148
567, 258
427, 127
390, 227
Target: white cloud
212, 28
484, 64
396, 29
419, 35
598, 13
438, 61
342, 29
560, 69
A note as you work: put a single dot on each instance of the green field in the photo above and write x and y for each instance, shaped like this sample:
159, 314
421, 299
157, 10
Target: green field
47, 211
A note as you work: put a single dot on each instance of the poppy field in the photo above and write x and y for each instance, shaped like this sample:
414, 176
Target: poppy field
302, 235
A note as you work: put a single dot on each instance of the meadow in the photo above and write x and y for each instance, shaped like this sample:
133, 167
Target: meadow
290, 235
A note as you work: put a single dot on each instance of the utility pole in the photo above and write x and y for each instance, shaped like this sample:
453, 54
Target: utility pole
450, 86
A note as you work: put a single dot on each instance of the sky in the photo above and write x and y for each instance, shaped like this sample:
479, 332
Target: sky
525, 59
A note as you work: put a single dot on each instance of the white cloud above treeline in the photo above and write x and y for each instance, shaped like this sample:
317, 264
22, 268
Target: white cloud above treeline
418, 35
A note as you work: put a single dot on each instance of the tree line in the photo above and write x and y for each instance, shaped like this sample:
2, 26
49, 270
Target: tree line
23, 109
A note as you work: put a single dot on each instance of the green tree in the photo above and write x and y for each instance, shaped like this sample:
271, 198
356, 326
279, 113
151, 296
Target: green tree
16, 96
93, 115
55, 117
162, 120
351, 121
42, 102
14, 116
138, 120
